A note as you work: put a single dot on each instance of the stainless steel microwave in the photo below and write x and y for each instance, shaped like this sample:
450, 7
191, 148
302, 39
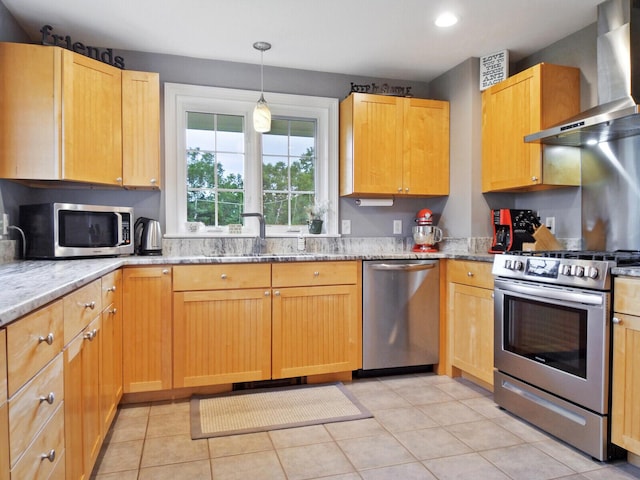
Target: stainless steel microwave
69, 230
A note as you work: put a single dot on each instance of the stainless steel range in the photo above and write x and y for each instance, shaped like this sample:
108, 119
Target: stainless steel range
553, 342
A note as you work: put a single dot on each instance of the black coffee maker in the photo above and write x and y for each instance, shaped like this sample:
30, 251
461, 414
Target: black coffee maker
512, 228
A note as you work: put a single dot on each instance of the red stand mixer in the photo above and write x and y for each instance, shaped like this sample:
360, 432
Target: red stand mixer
424, 233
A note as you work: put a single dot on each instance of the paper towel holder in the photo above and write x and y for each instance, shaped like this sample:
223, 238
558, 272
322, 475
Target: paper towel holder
374, 202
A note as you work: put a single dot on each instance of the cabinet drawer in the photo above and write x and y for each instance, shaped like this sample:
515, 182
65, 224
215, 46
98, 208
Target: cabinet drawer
468, 272
304, 274
221, 277
50, 440
32, 342
3, 366
33, 405
111, 287
80, 308
627, 297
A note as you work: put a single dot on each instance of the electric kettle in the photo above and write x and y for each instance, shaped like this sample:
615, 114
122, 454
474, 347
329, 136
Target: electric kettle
148, 237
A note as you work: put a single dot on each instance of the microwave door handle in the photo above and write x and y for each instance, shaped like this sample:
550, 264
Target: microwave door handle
120, 238
560, 295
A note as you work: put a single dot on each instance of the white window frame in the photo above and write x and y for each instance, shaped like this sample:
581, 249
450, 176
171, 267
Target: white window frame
180, 98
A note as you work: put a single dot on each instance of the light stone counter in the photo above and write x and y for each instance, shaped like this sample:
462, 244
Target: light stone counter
28, 285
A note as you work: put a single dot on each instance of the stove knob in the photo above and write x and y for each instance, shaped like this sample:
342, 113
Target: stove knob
577, 271
517, 265
507, 264
565, 270
592, 272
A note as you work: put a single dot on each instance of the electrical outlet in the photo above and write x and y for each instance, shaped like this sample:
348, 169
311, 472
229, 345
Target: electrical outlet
397, 227
550, 223
346, 227
4, 224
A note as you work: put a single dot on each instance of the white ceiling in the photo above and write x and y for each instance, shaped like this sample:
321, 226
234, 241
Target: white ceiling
392, 39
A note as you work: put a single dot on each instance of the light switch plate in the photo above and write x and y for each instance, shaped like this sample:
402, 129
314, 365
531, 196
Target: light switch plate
397, 227
346, 227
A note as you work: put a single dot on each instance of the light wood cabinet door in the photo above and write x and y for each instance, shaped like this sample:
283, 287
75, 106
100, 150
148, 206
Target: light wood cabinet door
92, 119
471, 323
371, 145
221, 337
4, 413
625, 412
146, 330
111, 349
82, 424
523, 104
315, 330
425, 153
141, 129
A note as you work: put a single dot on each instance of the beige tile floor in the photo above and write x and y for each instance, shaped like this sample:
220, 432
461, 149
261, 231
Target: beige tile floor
424, 427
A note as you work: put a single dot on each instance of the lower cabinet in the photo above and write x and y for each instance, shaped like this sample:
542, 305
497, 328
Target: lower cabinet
146, 332
251, 322
316, 324
83, 426
625, 409
4, 410
470, 318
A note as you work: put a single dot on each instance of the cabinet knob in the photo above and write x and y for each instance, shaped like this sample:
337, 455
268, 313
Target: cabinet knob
51, 456
534, 179
91, 334
406, 190
119, 180
113, 311
277, 293
111, 289
49, 398
165, 271
316, 274
48, 339
469, 274
153, 181
617, 321
223, 276
399, 189
91, 305
267, 293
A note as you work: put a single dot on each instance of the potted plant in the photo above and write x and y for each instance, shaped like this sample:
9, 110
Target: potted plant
316, 212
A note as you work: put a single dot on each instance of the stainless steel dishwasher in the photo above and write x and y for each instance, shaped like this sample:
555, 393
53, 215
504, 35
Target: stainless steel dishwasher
401, 311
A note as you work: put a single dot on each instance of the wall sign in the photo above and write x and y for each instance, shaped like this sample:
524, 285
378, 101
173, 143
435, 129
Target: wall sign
494, 68
64, 41
384, 89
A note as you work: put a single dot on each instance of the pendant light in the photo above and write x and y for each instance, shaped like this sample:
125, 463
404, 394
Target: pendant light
261, 113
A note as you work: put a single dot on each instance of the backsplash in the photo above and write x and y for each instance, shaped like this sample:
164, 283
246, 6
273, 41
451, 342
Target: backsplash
8, 251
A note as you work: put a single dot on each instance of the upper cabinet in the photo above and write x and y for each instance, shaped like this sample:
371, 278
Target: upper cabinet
393, 146
61, 118
140, 129
527, 102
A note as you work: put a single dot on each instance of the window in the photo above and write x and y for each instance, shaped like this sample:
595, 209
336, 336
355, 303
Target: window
218, 167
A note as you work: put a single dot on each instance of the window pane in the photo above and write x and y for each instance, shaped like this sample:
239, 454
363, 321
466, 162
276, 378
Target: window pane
215, 167
288, 171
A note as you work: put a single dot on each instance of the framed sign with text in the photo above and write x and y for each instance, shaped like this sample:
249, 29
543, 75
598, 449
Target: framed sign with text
493, 68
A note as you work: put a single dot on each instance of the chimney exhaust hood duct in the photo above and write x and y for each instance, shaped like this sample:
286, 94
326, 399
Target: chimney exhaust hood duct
618, 62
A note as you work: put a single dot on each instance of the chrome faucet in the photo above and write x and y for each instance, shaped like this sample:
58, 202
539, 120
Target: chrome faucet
262, 239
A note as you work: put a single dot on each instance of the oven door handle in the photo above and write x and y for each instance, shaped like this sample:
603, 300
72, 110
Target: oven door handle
549, 293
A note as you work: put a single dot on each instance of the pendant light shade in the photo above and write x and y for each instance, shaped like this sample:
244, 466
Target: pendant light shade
261, 113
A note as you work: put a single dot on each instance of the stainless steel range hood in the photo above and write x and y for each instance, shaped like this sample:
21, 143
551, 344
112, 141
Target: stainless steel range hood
618, 61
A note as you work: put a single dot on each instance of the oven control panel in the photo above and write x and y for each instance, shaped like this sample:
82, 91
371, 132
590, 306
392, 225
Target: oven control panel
572, 272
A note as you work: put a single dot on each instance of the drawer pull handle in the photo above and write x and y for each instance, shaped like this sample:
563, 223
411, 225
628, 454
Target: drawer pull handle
223, 276
111, 289
91, 335
91, 305
51, 456
48, 339
49, 398
316, 274
165, 271
469, 274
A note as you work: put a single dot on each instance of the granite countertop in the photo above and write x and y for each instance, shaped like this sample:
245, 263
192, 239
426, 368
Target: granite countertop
30, 284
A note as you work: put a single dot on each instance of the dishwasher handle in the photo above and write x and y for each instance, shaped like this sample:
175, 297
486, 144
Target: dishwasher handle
404, 267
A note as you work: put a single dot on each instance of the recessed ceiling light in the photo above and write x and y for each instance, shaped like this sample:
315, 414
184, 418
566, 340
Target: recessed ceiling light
446, 19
